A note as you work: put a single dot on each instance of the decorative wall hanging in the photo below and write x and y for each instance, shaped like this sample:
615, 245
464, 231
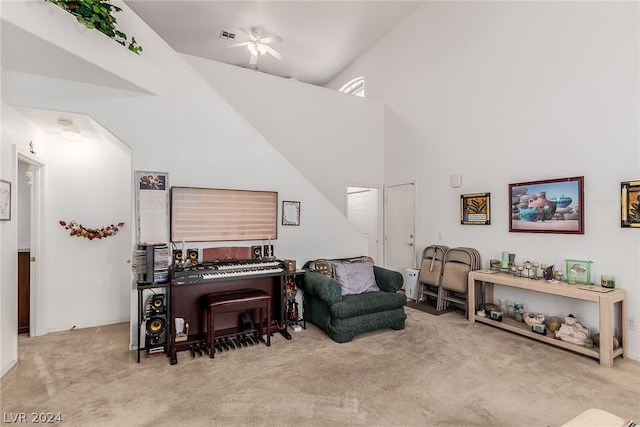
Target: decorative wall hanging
290, 213
475, 208
549, 206
91, 233
630, 204
152, 207
5, 200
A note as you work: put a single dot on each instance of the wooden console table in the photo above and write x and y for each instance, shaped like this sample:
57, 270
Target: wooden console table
605, 301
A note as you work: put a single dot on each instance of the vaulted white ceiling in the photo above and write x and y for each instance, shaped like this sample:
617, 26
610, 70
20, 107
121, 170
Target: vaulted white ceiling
319, 38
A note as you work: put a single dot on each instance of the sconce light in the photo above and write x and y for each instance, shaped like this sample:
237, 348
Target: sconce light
68, 131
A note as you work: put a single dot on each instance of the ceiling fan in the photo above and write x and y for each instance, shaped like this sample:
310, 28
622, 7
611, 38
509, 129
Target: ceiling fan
258, 44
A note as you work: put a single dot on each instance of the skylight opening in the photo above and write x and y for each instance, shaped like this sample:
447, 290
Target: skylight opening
354, 87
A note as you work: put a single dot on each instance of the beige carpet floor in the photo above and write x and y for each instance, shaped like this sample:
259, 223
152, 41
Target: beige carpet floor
438, 371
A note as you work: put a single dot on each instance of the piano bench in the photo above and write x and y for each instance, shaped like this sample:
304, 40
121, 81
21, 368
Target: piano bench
232, 301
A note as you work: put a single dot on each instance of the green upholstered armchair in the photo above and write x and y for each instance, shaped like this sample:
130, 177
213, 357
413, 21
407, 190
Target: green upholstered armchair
345, 316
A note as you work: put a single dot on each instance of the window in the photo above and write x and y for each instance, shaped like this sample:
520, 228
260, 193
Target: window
354, 87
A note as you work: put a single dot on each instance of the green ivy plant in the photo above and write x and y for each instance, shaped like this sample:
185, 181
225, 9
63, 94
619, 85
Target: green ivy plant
97, 14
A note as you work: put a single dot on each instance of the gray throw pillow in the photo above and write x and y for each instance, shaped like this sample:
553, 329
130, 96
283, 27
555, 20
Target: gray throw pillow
355, 278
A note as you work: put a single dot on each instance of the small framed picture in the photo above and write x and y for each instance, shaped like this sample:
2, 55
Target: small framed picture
5, 200
578, 271
630, 204
548, 206
475, 208
290, 213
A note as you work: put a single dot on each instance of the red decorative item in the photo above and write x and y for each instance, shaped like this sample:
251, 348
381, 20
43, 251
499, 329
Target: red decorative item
78, 230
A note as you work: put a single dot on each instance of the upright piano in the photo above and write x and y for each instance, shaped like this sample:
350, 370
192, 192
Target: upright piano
190, 284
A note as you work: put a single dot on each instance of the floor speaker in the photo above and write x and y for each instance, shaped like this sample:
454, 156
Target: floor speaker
156, 331
156, 324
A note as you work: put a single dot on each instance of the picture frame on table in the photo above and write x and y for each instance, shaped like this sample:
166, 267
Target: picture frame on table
290, 213
475, 208
5, 200
630, 204
547, 206
578, 271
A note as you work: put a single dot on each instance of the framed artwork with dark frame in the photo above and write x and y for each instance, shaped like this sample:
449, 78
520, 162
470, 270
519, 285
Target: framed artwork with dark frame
475, 208
5, 200
548, 206
290, 213
630, 204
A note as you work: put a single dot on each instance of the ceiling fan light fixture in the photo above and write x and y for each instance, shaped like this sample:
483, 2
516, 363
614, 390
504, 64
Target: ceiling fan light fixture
68, 131
257, 49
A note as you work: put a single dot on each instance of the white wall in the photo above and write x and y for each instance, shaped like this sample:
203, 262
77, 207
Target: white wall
319, 131
186, 129
505, 92
89, 181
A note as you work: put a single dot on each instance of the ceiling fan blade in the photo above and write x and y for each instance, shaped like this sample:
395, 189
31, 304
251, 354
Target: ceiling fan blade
238, 44
249, 34
274, 53
270, 39
253, 60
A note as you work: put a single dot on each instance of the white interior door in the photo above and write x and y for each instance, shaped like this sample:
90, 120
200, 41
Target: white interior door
400, 214
362, 211
36, 221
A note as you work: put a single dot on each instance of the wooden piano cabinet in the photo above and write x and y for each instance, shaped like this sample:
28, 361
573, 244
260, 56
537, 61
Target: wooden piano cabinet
187, 303
605, 300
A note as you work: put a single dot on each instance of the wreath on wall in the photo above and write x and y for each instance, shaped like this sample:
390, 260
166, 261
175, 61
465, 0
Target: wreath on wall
78, 230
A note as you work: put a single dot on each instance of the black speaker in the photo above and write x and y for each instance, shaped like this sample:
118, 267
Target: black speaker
267, 250
156, 323
256, 252
177, 256
192, 255
156, 331
157, 304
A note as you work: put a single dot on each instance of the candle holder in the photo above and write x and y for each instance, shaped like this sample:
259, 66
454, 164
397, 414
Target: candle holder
528, 266
535, 264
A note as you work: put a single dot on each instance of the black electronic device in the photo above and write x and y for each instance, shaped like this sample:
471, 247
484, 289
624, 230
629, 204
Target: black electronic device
156, 321
156, 331
177, 256
256, 252
267, 251
192, 255
157, 304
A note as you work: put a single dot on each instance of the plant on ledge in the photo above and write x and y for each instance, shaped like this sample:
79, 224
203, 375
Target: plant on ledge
96, 14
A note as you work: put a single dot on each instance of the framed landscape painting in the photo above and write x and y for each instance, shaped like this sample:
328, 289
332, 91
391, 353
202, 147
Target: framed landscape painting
548, 206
